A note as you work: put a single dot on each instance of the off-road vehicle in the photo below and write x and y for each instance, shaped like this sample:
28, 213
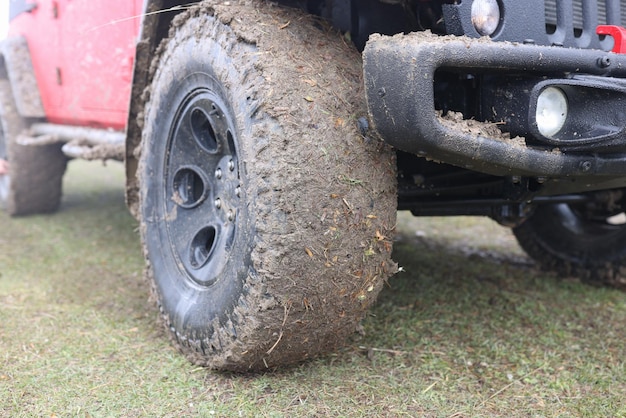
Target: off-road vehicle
268, 146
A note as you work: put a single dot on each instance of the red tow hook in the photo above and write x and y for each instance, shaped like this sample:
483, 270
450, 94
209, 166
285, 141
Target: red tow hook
619, 36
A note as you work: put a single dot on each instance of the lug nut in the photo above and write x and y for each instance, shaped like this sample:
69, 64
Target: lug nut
218, 203
231, 165
238, 191
218, 173
231, 215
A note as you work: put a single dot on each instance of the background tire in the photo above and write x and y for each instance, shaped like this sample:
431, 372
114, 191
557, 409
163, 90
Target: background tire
35, 177
563, 239
266, 216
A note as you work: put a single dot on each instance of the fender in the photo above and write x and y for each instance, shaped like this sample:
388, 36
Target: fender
156, 18
16, 60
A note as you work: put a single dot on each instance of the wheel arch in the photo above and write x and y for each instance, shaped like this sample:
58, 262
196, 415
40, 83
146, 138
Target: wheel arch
157, 16
17, 65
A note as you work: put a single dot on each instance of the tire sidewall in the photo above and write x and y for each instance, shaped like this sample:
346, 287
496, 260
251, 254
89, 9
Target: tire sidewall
189, 306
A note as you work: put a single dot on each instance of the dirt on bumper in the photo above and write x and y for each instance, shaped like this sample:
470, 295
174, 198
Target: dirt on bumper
399, 78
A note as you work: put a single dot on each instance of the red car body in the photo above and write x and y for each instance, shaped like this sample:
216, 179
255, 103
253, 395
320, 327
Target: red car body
87, 81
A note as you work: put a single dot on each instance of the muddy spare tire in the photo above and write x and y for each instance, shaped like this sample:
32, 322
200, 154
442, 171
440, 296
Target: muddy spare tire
266, 215
34, 182
577, 240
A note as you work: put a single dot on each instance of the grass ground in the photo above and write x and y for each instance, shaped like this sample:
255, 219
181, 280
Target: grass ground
470, 329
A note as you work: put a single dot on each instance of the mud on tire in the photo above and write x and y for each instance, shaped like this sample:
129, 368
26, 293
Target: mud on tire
266, 216
35, 177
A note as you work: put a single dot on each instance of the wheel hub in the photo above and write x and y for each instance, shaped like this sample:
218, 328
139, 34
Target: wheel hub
203, 193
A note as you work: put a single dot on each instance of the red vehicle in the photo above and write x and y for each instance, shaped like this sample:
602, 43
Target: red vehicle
268, 146
67, 64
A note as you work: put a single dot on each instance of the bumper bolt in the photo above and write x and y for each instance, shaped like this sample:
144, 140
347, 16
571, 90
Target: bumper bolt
585, 166
604, 62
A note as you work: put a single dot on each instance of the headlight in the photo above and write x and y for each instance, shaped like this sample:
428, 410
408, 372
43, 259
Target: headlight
485, 16
551, 111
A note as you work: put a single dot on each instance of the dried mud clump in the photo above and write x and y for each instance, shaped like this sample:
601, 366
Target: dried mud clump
455, 121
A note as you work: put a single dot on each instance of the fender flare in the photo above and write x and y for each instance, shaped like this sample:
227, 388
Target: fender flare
16, 63
155, 24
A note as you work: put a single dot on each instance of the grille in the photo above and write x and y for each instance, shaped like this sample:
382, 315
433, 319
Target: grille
573, 22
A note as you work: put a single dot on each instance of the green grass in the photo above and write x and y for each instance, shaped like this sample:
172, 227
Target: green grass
470, 329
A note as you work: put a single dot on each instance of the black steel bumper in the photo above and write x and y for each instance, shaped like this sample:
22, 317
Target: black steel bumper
399, 80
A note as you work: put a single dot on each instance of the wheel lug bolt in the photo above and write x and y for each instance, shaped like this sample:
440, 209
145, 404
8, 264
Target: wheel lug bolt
238, 191
231, 215
218, 173
218, 203
231, 165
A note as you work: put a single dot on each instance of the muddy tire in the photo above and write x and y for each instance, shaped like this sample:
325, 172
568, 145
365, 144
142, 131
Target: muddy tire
36, 173
562, 239
266, 216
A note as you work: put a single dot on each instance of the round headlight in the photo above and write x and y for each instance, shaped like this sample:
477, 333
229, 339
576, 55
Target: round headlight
485, 16
551, 111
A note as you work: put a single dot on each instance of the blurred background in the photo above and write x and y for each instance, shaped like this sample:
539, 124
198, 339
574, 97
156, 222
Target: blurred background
4, 18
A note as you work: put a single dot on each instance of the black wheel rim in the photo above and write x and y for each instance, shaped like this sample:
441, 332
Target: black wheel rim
202, 188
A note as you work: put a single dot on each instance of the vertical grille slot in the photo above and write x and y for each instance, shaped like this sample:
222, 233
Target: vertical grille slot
573, 23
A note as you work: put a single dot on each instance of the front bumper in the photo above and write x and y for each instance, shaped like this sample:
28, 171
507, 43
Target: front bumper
399, 80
